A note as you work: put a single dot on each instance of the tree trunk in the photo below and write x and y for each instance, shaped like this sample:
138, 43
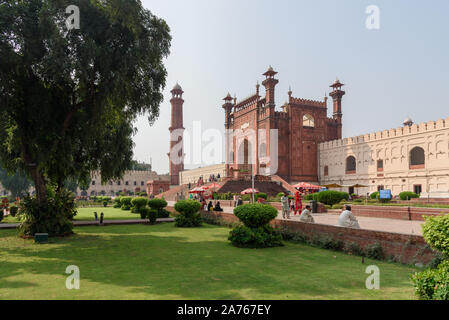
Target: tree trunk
39, 184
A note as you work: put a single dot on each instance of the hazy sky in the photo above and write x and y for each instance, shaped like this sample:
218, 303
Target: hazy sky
400, 70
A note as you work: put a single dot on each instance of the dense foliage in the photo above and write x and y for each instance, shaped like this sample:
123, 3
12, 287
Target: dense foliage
434, 283
407, 195
188, 213
69, 97
159, 205
436, 233
256, 232
331, 197
52, 217
125, 203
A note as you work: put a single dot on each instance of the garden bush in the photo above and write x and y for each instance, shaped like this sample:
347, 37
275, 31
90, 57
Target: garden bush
374, 195
260, 195
338, 206
189, 214
407, 195
331, 197
13, 210
138, 203
434, 283
374, 251
256, 232
150, 214
1, 215
159, 205
261, 237
255, 215
436, 233
117, 202
125, 203
52, 217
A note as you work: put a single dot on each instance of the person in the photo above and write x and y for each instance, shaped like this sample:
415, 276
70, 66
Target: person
285, 207
203, 205
306, 216
347, 219
298, 202
217, 207
239, 201
234, 198
210, 206
261, 200
292, 205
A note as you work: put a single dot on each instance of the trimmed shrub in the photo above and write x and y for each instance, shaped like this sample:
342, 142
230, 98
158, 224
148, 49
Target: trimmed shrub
138, 203
331, 197
159, 205
150, 214
256, 232
260, 195
117, 202
189, 214
13, 210
255, 215
338, 206
125, 203
374, 195
261, 237
407, 195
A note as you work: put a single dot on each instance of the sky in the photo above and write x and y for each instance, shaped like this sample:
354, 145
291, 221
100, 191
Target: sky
397, 71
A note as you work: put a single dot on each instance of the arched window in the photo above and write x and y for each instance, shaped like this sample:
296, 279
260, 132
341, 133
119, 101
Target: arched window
417, 158
308, 121
350, 165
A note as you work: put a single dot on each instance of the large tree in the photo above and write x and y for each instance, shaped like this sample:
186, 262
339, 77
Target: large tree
69, 97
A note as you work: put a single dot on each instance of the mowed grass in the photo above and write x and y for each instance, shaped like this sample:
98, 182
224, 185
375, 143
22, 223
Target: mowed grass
87, 214
165, 262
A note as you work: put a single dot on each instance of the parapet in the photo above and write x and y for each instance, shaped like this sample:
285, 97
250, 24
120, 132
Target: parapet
388, 134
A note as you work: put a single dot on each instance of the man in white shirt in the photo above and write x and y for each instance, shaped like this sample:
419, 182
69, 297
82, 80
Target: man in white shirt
306, 216
347, 219
285, 208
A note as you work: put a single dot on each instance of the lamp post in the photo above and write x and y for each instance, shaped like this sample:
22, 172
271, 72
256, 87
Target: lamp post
252, 181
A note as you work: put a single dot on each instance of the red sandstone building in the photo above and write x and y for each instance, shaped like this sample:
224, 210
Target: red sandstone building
301, 126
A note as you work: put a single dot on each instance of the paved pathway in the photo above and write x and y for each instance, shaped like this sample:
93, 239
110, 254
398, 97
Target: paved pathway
378, 224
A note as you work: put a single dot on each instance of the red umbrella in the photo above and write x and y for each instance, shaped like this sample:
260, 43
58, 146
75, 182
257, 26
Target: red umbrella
197, 190
213, 186
249, 191
305, 185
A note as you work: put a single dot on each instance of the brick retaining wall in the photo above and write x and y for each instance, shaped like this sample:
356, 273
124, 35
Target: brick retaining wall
404, 248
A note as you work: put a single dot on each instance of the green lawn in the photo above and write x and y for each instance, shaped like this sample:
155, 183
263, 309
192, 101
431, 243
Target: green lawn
110, 213
164, 262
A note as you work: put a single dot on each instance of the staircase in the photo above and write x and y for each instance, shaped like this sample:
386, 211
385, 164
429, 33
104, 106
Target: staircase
170, 195
271, 188
284, 183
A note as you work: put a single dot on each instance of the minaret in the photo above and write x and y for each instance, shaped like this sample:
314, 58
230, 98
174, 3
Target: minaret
336, 95
176, 161
269, 83
228, 106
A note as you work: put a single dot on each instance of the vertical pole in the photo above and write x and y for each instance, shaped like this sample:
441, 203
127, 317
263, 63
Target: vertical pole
252, 181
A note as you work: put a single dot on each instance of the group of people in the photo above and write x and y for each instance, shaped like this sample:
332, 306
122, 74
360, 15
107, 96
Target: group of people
346, 218
211, 207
